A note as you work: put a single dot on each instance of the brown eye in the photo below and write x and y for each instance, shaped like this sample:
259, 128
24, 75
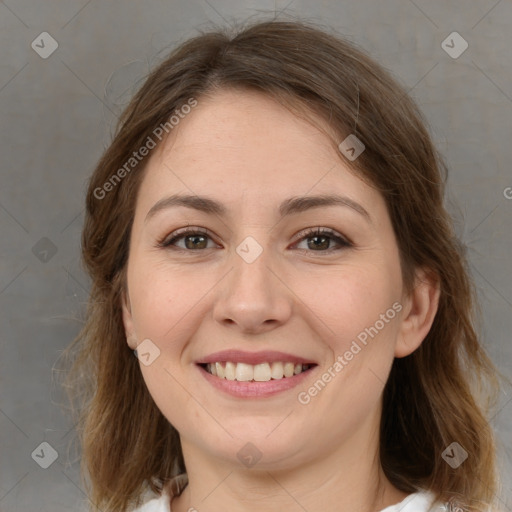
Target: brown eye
321, 240
194, 239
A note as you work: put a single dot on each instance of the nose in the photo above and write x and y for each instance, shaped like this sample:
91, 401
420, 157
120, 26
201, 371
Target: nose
253, 297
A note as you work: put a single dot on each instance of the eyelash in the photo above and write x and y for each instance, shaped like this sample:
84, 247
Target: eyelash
305, 234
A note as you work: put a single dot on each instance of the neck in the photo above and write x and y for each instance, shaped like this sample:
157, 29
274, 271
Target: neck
348, 478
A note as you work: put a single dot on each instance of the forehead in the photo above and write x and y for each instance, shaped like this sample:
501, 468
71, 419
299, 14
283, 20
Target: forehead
235, 121
241, 142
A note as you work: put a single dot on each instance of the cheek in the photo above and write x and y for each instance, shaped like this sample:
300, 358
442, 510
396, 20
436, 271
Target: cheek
164, 297
346, 300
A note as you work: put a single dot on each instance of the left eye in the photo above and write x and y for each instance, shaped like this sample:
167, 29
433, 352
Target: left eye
196, 239
322, 238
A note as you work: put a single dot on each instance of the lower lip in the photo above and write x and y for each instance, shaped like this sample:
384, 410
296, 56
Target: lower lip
253, 389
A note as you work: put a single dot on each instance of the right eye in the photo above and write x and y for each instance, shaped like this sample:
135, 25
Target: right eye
194, 239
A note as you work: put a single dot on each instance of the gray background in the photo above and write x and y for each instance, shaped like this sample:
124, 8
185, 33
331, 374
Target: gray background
57, 115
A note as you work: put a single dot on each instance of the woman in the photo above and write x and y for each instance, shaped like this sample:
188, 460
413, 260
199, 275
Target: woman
281, 316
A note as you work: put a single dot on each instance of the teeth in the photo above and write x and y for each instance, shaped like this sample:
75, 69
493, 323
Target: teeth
218, 368
260, 372
244, 372
230, 371
277, 371
289, 369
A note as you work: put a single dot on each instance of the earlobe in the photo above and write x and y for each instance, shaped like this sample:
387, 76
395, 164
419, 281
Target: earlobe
419, 313
129, 330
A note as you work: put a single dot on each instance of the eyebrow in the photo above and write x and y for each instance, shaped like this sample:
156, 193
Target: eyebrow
289, 206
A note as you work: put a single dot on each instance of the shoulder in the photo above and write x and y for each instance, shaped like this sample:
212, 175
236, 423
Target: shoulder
424, 501
160, 504
421, 501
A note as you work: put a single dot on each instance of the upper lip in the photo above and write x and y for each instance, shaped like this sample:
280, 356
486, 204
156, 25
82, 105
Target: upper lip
240, 356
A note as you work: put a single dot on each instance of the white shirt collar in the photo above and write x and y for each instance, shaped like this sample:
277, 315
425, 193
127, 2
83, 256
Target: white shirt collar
421, 501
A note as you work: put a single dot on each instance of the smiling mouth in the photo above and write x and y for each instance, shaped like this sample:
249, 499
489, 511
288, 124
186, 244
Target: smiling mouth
263, 372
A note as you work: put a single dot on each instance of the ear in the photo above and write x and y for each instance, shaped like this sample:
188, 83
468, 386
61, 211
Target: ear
419, 312
131, 337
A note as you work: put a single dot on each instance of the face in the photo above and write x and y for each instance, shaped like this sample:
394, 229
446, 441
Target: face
321, 284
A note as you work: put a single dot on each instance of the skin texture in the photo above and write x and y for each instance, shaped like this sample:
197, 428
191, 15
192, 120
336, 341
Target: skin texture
250, 153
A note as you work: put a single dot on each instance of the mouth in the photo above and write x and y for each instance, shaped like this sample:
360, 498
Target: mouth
262, 372
262, 380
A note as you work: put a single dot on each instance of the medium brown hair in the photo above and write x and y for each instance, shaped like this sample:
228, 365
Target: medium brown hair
433, 397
